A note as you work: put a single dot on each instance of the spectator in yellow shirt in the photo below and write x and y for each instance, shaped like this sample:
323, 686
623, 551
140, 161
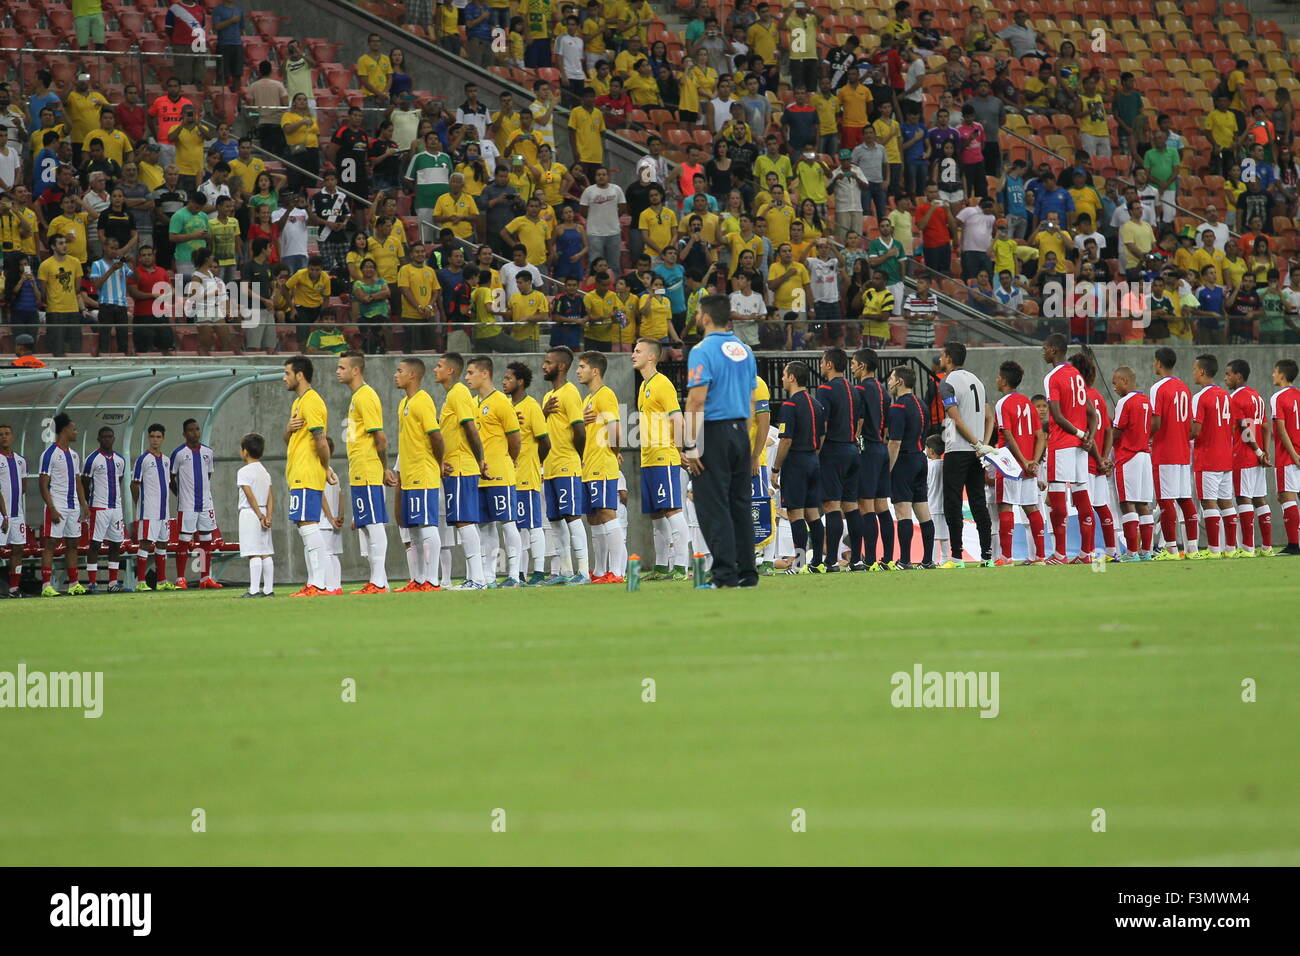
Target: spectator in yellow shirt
658, 223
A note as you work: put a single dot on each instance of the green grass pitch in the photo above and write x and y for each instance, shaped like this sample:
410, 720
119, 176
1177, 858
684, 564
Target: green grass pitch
1119, 691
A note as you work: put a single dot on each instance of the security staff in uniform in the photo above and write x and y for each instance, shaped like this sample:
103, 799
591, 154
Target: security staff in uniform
873, 465
719, 405
803, 421
907, 467
842, 404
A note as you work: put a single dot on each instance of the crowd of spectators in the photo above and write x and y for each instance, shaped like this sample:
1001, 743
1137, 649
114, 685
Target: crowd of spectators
840, 195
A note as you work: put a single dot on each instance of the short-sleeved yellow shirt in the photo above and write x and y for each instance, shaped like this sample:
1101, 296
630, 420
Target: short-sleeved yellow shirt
417, 419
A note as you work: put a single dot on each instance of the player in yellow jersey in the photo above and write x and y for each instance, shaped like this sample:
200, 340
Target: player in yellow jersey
462, 464
419, 453
562, 469
499, 429
534, 447
306, 468
600, 458
761, 490
661, 463
367, 449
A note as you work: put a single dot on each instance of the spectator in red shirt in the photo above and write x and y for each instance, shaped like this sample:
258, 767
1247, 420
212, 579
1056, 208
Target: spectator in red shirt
150, 285
615, 104
131, 114
188, 35
938, 226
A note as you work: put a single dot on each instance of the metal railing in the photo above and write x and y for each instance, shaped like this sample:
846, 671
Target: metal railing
1066, 163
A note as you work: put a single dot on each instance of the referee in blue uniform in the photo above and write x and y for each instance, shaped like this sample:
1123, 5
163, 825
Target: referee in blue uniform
722, 376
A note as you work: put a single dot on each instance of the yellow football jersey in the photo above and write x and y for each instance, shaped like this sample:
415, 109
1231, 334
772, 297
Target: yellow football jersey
657, 401
532, 426
563, 460
457, 409
303, 468
365, 417
599, 460
762, 396
496, 420
417, 419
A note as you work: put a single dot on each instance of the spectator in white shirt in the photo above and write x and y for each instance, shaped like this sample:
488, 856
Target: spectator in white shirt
976, 238
748, 308
602, 204
569, 50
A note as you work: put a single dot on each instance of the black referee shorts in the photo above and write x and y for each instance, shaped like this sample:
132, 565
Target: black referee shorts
839, 471
800, 481
908, 479
873, 471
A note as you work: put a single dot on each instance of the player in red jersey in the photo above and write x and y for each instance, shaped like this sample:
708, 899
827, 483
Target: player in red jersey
1019, 430
1171, 455
1131, 439
1071, 423
1284, 408
1099, 458
1250, 461
1212, 458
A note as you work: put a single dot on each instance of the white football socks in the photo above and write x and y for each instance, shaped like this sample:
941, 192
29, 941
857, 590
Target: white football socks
427, 551
313, 549
578, 541
563, 556
679, 537
268, 574
469, 540
537, 545
378, 535
662, 542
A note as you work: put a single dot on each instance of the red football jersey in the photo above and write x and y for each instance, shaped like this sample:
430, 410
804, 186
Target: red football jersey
1018, 416
1171, 402
1103, 426
1212, 409
1133, 420
1247, 412
1064, 385
1286, 414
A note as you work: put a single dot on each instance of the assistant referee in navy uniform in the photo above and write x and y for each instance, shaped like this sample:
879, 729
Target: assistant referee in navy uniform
721, 379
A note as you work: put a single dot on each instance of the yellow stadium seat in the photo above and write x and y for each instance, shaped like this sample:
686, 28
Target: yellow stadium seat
1165, 7
1265, 46
1094, 24
1176, 64
1016, 122
1120, 25
1239, 44
1201, 65
1226, 27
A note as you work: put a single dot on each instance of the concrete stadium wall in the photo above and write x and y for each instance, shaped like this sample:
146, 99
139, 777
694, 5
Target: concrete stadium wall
264, 408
